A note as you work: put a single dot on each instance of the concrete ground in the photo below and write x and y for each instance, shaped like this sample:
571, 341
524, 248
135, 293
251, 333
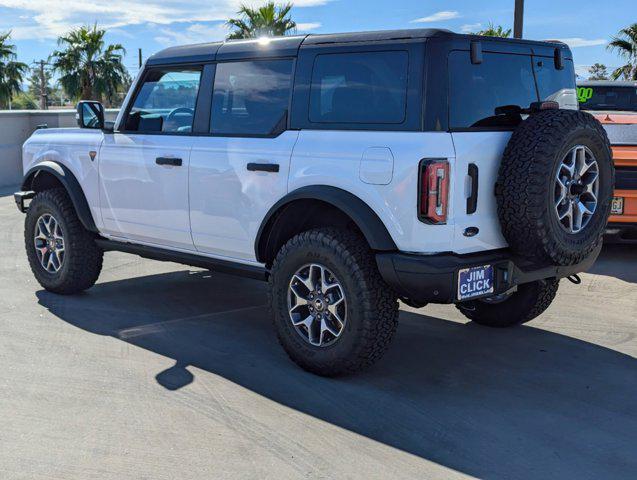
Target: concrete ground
166, 372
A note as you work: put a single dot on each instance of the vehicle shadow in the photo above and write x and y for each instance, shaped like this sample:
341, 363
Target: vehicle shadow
617, 260
518, 403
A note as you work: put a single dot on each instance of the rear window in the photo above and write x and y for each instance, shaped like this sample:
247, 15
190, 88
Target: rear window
607, 98
552, 83
359, 88
476, 90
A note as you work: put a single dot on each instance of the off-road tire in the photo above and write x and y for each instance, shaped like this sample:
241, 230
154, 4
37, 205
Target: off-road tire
525, 186
372, 307
529, 301
82, 258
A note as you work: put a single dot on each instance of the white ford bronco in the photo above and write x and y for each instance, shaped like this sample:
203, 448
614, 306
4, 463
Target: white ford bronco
350, 171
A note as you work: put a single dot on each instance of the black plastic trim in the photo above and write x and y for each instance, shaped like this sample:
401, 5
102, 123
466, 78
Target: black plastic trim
70, 183
361, 214
433, 278
263, 167
164, 255
472, 201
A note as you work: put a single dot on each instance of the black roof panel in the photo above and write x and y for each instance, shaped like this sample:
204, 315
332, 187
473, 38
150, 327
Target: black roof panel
201, 52
289, 46
376, 36
260, 48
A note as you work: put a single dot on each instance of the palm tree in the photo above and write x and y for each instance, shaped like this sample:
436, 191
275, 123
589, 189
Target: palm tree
626, 45
269, 20
494, 31
89, 69
11, 71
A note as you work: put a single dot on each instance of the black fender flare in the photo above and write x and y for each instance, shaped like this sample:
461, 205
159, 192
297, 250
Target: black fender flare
64, 175
368, 222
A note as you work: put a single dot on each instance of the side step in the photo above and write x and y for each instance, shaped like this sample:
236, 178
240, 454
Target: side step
164, 255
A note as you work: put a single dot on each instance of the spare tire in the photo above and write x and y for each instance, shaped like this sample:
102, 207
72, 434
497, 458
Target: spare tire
555, 186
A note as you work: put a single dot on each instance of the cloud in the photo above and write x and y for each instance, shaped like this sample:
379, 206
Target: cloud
470, 27
50, 18
195, 33
575, 42
438, 17
305, 27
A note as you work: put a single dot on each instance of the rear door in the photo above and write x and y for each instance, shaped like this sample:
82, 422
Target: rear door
480, 136
144, 167
240, 169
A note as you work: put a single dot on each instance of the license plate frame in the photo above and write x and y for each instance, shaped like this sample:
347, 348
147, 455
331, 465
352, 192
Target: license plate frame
474, 282
617, 206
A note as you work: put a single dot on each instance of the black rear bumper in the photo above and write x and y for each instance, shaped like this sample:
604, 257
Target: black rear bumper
620, 232
434, 278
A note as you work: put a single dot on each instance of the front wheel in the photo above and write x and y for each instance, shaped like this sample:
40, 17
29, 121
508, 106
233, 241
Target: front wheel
507, 310
62, 254
332, 311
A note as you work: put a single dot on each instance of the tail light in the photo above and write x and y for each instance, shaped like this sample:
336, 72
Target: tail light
434, 191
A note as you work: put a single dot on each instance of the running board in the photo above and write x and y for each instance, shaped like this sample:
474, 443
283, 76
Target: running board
164, 255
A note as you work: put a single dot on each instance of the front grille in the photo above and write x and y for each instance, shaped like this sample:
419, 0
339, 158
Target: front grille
626, 178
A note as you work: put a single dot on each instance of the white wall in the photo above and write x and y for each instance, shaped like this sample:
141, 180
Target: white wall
17, 125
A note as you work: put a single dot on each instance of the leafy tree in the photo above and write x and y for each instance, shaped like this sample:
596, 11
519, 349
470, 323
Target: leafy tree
88, 68
269, 20
11, 71
625, 43
24, 101
494, 31
598, 71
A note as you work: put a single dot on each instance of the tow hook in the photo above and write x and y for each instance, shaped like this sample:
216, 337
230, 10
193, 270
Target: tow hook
574, 279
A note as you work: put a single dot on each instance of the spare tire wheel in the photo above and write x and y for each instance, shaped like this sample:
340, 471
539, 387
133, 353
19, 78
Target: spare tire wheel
555, 186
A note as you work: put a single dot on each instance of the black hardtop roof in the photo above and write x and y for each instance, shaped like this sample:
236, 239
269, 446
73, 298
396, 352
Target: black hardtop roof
289, 45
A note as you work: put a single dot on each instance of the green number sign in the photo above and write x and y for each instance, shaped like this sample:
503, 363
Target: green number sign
584, 94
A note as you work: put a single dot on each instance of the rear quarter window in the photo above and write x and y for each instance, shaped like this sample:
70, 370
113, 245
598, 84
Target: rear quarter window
359, 88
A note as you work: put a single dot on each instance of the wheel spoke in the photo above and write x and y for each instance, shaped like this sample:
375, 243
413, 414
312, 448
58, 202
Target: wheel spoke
563, 191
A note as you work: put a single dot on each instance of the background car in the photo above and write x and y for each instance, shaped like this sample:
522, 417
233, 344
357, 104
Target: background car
614, 104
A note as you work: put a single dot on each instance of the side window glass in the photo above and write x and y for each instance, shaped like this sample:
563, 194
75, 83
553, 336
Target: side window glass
165, 102
364, 88
477, 90
251, 98
555, 85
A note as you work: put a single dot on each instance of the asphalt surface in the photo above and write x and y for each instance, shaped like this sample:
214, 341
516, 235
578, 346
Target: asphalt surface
166, 372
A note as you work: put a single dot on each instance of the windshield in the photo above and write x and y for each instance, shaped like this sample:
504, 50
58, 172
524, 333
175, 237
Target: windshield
607, 98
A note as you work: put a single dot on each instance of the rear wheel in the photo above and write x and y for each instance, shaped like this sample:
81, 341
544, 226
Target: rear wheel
518, 307
332, 311
62, 254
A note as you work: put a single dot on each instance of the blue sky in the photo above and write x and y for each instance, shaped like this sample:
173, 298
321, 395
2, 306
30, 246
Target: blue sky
586, 25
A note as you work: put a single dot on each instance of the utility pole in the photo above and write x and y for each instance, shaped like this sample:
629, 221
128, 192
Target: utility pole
140, 57
44, 105
43, 84
518, 19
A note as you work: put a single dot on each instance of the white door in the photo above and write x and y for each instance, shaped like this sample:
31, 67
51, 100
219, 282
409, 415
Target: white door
241, 169
144, 168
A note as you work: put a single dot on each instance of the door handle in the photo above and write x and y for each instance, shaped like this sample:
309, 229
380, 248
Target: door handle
472, 201
263, 167
175, 162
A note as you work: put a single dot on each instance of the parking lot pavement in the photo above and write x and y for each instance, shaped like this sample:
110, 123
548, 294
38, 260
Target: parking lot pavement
164, 372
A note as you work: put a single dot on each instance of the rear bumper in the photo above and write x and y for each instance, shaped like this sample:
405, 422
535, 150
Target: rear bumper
621, 232
434, 278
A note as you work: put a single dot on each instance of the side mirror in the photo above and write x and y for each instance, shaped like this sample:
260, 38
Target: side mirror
90, 114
